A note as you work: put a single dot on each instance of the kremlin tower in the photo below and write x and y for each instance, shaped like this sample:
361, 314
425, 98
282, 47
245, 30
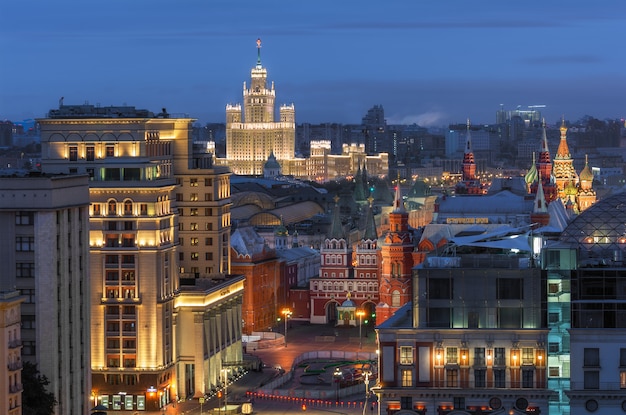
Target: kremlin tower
469, 182
397, 260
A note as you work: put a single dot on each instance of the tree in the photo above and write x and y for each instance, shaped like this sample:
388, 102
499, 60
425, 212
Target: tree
35, 398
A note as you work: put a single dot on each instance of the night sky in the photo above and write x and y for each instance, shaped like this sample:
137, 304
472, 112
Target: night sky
429, 62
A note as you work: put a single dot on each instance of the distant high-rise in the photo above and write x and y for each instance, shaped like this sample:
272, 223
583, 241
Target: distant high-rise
375, 130
253, 134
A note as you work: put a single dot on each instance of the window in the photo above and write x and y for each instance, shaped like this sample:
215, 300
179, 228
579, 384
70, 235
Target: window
622, 379
73, 153
452, 356
194, 241
208, 226
554, 372
452, 376
193, 212
622, 357
407, 378
25, 270
96, 209
554, 288
479, 378
499, 356
208, 182
499, 378
406, 402
509, 289
143, 209
591, 357
406, 355
193, 226
553, 318
459, 402
91, 153
208, 241
112, 207
509, 317
528, 378
208, 256
553, 347
179, 197
479, 356
208, 197
24, 218
439, 317
110, 151
528, 355
193, 182
194, 256
592, 379
193, 197
24, 243
439, 288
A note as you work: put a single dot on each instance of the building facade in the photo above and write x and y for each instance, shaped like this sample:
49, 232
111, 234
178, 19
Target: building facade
472, 341
144, 176
45, 254
252, 133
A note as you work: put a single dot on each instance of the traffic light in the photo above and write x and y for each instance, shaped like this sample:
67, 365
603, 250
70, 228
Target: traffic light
219, 394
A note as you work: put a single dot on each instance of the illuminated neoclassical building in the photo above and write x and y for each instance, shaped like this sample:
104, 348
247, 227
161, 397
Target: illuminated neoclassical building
252, 133
157, 211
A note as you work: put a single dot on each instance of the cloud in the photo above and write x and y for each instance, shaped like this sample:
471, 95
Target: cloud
426, 119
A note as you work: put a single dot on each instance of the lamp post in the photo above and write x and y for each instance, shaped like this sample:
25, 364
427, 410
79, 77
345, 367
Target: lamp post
225, 372
337, 376
367, 391
286, 313
360, 313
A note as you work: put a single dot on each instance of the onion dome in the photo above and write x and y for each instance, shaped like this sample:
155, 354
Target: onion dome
532, 175
570, 189
586, 174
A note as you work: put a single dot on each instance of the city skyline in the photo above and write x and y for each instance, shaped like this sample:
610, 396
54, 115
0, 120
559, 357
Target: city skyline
430, 63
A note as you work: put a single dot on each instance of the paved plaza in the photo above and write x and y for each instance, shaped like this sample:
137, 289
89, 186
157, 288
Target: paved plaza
311, 379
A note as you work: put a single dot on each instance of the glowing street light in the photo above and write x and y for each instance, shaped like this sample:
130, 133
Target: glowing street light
360, 313
286, 312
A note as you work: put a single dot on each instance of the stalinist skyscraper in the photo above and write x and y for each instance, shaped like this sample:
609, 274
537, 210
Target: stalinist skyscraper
252, 135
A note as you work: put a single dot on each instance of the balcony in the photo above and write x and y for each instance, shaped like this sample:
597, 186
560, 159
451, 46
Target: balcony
14, 344
14, 365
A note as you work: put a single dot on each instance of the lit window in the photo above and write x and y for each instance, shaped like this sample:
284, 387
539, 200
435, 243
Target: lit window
407, 378
406, 355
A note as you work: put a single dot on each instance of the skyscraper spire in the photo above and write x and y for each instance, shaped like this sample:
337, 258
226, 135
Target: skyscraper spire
258, 53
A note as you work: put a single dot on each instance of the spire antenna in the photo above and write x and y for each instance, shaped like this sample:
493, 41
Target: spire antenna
258, 48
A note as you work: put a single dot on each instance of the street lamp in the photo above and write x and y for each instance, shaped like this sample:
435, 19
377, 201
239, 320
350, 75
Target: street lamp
286, 312
225, 373
367, 391
337, 376
360, 313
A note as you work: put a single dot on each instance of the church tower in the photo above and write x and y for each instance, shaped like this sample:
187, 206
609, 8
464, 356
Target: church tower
540, 213
564, 172
396, 253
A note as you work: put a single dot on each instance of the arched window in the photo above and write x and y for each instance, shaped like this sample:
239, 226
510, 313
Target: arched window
395, 299
128, 207
112, 207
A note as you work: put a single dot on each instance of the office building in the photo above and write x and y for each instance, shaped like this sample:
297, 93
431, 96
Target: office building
45, 252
